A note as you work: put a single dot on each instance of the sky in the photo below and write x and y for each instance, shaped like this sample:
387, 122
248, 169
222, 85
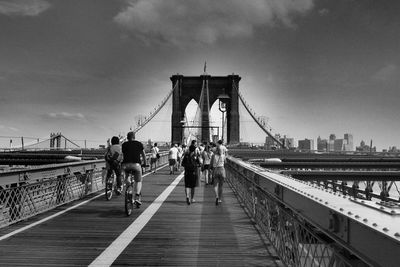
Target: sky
89, 68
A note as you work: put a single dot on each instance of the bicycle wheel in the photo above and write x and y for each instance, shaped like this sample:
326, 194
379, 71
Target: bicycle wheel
109, 187
128, 200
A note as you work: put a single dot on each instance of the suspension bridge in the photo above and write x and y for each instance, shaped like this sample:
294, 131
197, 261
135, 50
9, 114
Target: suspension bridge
305, 210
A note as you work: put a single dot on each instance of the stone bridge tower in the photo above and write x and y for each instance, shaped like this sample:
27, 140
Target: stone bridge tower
189, 87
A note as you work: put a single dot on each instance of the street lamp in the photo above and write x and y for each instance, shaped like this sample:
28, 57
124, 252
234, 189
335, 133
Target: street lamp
223, 100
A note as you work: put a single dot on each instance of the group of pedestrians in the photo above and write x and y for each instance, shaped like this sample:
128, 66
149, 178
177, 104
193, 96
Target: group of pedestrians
206, 160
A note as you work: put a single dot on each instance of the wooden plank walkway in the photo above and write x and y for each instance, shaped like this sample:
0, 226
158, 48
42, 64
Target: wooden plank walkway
200, 234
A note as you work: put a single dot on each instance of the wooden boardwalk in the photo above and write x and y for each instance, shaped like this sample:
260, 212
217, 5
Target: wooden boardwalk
200, 234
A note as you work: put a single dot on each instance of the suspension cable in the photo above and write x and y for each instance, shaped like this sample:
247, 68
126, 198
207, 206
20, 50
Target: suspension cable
152, 115
247, 107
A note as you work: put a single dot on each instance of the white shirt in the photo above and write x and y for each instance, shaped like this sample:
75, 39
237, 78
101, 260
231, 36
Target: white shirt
154, 151
173, 153
219, 160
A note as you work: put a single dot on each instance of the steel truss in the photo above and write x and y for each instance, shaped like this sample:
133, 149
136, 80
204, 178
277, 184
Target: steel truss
311, 227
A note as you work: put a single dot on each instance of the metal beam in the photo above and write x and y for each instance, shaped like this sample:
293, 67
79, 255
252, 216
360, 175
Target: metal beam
317, 175
373, 234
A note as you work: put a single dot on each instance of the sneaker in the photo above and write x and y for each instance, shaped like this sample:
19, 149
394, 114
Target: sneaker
137, 203
219, 200
187, 201
216, 202
193, 200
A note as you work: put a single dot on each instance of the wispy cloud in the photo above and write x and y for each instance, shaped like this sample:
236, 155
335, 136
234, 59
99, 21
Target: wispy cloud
4, 127
23, 7
386, 73
192, 21
65, 116
323, 12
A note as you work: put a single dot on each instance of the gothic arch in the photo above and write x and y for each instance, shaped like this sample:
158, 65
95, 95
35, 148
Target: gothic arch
189, 87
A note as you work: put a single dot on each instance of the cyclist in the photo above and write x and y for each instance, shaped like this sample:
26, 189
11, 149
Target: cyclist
114, 158
132, 150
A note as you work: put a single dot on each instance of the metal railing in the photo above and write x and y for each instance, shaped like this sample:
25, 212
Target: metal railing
26, 193
297, 241
19, 201
382, 185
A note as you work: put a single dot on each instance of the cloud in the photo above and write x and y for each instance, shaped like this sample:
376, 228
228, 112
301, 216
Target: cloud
23, 7
386, 73
4, 127
185, 22
323, 12
66, 116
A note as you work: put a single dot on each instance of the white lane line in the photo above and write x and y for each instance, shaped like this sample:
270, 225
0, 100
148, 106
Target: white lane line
112, 252
53, 216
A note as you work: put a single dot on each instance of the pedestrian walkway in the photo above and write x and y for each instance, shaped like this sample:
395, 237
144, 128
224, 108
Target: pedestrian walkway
200, 234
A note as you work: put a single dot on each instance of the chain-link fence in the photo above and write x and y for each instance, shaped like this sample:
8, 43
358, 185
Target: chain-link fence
18, 202
297, 241
43, 189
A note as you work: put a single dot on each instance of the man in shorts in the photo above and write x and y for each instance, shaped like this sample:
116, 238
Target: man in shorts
172, 158
132, 151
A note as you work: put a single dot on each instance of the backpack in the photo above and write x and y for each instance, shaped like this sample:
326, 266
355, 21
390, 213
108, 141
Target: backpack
111, 158
190, 160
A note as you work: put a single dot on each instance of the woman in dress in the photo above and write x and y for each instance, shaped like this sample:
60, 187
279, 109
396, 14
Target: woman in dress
190, 163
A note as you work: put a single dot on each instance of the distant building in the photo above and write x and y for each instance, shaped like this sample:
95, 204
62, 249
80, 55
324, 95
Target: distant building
306, 144
349, 146
288, 142
339, 144
322, 144
365, 148
270, 143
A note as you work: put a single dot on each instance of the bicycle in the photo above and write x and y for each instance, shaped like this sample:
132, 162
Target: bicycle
111, 186
129, 202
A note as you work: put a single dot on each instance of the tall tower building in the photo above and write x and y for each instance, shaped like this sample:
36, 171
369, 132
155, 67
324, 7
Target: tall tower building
349, 138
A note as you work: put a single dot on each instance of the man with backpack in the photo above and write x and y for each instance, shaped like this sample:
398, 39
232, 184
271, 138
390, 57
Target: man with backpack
113, 159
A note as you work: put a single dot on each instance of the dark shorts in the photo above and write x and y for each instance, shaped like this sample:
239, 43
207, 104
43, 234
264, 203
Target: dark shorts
153, 160
206, 166
172, 162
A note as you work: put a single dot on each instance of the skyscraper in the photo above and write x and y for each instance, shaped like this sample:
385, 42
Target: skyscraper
349, 146
306, 144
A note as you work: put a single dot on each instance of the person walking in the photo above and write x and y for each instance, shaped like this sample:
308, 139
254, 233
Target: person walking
180, 155
132, 151
172, 158
190, 163
113, 159
219, 175
206, 155
154, 157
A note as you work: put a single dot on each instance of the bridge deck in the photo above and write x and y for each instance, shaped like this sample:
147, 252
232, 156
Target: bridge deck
201, 234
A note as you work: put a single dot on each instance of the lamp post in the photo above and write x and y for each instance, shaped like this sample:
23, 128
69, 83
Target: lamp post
223, 100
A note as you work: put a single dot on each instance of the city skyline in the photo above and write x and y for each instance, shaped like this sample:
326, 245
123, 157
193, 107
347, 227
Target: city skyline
88, 68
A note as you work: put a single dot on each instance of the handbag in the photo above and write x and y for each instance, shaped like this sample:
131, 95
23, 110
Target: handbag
158, 155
